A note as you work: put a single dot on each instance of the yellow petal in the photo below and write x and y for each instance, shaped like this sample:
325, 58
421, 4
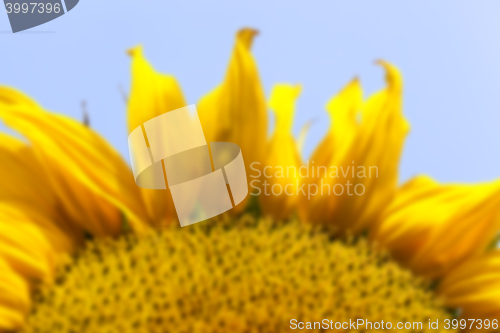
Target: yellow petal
152, 94
32, 232
91, 179
282, 159
433, 227
24, 247
474, 286
25, 187
34, 237
10, 319
282, 102
360, 157
22, 176
343, 109
14, 298
236, 110
16, 97
52, 235
304, 131
377, 150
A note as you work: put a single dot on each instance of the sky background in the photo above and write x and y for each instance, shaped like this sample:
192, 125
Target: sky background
448, 52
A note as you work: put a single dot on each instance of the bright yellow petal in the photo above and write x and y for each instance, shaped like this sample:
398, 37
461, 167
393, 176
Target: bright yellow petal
343, 109
10, 319
16, 97
236, 110
282, 153
14, 298
152, 94
433, 227
91, 179
34, 236
359, 157
24, 247
304, 131
22, 177
25, 187
474, 287
376, 149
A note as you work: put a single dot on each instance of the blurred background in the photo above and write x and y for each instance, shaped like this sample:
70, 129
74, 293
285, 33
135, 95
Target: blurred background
448, 51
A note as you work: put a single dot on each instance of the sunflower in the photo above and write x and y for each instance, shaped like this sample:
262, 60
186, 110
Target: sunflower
83, 249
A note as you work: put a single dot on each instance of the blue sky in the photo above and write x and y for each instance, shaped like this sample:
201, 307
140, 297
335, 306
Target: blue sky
448, 51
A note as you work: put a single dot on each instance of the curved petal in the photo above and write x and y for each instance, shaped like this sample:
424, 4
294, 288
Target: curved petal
236, 110
25, 187
152, 94
433, 227
14, 298
343, 109
282, 154
304, 131
23, 246
34, 237
474, 287
90, 177
375, 151
360, 157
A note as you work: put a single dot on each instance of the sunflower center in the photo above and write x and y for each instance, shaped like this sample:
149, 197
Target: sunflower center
234, 275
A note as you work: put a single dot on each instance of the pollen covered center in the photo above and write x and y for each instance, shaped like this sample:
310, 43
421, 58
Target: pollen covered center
229, 275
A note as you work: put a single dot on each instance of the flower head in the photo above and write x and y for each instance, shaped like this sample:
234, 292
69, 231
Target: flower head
101, 254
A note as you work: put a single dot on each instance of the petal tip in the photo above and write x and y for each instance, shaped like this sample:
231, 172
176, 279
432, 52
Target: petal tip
393, 76
298, 89
133, 51
247, 35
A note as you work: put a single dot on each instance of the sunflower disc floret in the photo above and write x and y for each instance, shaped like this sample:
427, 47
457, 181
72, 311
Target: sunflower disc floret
229, 275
